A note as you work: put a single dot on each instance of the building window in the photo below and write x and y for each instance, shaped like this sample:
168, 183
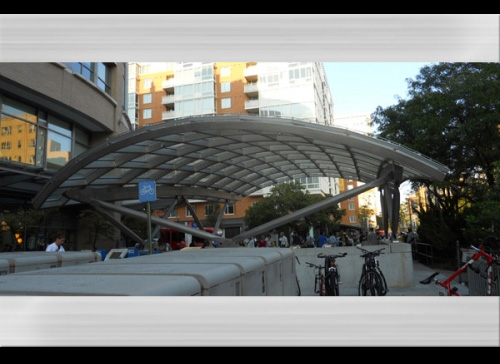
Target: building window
352, 219
225, 71
308, 182
229, 209
97, 73
226, 103
103, 77
143, 69
225, 87
209, 209
148, 82
173, 214
351, 206
147, 113
206, 73
5, 145
7, 130
188, 213
131, 100
51, 142
147, 98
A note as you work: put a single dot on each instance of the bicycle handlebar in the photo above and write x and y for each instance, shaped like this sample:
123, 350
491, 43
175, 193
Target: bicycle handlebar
322, 255
314, 265
368, 252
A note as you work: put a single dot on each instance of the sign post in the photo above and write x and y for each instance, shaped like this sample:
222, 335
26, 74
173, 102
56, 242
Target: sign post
147, 193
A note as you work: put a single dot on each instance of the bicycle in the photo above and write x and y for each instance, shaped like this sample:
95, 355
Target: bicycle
327, 283
372, 281
480, 252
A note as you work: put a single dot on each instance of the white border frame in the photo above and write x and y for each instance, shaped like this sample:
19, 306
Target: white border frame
251, 321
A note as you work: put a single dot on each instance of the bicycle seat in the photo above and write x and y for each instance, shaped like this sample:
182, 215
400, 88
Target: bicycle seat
429, 279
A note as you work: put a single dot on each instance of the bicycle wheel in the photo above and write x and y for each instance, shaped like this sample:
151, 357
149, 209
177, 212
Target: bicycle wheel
383, 283
332, 284
370, 284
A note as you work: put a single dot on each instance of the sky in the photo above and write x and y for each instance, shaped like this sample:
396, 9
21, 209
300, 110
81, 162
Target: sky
359, 87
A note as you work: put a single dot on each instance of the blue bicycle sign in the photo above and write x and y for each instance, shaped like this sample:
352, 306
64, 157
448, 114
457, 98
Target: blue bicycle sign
147, 191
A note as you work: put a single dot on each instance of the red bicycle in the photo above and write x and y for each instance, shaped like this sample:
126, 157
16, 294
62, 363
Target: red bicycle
491, 258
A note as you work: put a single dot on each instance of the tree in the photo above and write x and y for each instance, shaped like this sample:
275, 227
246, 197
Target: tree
452, 115
31, 225
289, 197
96, 226
213, 215
364, 214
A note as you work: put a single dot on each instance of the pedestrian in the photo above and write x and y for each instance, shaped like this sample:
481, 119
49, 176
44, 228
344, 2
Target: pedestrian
251, 243
322, 240
411, 239
310, 241
333, 240
283, 241
295, 239
262, 242
57, 245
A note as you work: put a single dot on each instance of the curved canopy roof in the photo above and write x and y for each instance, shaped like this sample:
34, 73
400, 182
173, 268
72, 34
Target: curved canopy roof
228, 157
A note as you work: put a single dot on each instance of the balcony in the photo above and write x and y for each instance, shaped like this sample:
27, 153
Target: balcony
251, 73
168, 84
251, 89
252, 106
167, 100
171, 114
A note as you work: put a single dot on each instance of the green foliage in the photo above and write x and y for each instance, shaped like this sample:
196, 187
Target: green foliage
212, 217
364, 213
29, 218
453, 116
289, 197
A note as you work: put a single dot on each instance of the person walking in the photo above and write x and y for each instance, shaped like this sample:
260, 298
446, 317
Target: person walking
57, 245
283, 241
295, 239
322, 240
333, 240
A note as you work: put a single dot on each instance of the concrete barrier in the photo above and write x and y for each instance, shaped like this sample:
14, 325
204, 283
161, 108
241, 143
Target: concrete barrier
15, 262
215, 280
396, 264
274, 279
252, 269
29, 284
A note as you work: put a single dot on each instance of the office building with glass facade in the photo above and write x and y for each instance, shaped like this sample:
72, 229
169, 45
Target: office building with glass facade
50, 113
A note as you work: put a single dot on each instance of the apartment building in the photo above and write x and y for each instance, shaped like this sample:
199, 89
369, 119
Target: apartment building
167, 91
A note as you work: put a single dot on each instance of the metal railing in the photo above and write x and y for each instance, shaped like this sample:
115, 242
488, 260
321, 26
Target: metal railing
477, 283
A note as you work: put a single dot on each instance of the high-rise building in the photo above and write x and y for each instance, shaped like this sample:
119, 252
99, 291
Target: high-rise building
299, 90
